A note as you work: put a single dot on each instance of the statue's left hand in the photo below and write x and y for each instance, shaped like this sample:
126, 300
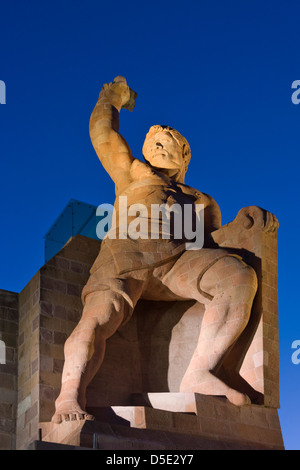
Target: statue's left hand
119, 93
254, 215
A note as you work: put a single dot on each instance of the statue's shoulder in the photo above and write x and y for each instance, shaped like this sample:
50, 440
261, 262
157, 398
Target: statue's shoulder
191, 191
200, 198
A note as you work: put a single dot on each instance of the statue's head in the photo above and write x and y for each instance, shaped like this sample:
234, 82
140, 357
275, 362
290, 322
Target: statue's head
166, 149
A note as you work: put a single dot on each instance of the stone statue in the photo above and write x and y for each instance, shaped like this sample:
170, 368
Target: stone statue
157, 268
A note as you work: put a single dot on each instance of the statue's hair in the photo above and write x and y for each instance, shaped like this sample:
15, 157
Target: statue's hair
182, 142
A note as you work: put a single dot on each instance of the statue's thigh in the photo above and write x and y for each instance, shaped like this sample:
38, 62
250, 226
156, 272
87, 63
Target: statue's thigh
185, 276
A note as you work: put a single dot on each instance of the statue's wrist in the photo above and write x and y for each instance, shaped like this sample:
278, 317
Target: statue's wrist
111, 101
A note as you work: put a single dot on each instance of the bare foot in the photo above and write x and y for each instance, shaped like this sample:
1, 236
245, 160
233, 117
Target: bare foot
70, 411
238, 398
205, 383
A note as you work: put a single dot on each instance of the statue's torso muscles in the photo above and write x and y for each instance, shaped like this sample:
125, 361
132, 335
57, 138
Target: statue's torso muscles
152, 190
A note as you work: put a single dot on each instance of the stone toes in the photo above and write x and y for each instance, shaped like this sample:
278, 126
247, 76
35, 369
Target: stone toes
65, 416
238, 399
71, 416
57, 419
89, 417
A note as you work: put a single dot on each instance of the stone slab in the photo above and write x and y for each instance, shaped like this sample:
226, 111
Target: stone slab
215, 424
176, 402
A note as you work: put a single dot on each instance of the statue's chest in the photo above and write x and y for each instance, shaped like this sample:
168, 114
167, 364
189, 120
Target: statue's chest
150, 187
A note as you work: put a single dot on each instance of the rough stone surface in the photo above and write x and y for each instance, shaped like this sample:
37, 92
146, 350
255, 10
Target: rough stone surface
35, 324
215, 424
8, 371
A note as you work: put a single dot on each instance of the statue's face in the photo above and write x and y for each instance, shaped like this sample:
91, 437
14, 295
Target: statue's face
162, 151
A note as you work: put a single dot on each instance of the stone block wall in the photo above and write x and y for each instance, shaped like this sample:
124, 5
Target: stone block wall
34, 325
50, 308
8, 370
28, 362
61, 283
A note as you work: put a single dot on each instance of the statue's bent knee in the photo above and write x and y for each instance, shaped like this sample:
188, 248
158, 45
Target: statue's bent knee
226, 273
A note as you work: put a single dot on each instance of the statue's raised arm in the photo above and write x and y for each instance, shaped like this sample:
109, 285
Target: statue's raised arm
111, 148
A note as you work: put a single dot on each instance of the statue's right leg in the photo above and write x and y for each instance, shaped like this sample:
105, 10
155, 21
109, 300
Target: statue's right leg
103, 313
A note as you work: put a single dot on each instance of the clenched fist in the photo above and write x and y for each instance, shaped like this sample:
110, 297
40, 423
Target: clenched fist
119, 94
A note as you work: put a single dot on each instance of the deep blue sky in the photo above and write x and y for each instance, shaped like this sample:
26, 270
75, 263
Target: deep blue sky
218, 71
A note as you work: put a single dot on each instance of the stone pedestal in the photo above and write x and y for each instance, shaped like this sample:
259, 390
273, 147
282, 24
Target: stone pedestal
134, 396
172, 421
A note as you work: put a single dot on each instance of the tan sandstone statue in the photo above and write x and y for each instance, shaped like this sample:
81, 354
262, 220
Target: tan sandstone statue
157, 268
